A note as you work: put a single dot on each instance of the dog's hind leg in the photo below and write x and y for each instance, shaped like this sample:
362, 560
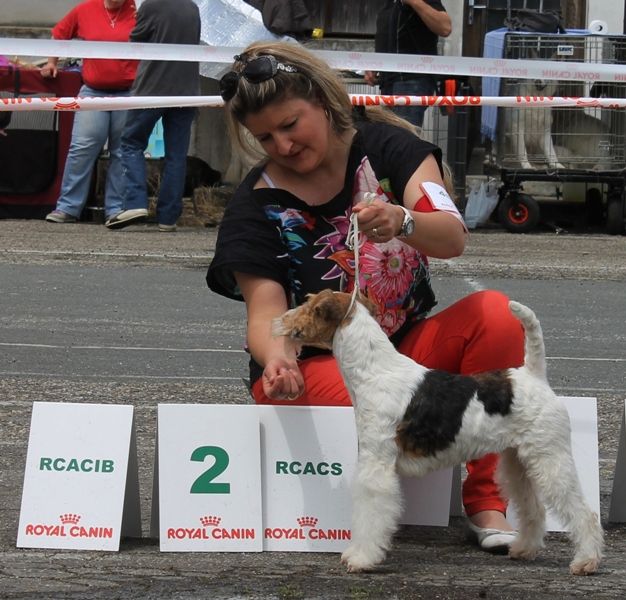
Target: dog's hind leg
377, 504
514, 482
554, 474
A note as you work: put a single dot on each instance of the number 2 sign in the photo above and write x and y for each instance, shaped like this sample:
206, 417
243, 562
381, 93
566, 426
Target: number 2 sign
205, 484
208, 479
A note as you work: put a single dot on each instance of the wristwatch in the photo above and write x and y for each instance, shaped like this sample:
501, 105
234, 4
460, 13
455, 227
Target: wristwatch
408, 224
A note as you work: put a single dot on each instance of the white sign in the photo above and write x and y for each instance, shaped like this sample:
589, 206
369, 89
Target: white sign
80, 489
584, 422
208, 493
617, 511
308, 460
427, 500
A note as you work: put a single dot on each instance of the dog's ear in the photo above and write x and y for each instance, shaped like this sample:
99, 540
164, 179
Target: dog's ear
328, 308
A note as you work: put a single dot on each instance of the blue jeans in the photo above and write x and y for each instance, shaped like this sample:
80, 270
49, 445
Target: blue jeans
176, 135
91, 130
420, 86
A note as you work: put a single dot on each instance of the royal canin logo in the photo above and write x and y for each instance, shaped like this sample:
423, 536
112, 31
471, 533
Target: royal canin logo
210, 521
307, 530
307, 521
210, 530
69, 527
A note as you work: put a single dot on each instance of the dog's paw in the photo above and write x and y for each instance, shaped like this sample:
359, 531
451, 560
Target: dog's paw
586, 566
360, 558
519, 551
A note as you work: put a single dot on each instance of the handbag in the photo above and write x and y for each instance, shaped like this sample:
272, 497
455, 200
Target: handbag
535, 21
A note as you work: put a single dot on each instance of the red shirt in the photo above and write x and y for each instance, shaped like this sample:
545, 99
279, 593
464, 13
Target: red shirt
91, 21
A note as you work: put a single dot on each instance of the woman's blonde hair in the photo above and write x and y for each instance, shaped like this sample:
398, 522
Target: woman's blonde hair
314, 80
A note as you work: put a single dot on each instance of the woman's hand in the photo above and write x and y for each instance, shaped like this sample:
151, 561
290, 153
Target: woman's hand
265, 301
282, 379
438, 234
379, 220
371, 78
49, 69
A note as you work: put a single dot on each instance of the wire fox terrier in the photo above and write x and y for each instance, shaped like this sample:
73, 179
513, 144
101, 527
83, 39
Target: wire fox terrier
412, 420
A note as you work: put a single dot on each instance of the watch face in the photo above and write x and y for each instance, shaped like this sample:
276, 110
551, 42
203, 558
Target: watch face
408, 225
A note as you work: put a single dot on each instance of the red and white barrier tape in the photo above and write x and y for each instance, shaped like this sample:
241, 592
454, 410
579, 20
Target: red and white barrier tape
352, 61
133, 102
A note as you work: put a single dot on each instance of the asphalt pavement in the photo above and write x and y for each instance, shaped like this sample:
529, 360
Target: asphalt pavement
91, 315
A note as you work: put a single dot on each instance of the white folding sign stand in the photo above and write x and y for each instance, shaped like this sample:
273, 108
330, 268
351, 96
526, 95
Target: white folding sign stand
583, 416
617, 510
207, 487
81, 488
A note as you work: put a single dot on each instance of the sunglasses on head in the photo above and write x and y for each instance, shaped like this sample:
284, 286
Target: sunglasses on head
257, 70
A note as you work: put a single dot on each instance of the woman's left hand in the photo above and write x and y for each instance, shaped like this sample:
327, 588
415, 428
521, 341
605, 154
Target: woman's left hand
380, 221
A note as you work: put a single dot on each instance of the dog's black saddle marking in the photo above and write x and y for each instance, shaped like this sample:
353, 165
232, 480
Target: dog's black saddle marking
435, 414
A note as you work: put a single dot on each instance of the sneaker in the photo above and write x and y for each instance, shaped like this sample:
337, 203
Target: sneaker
126, 217
167, 228
58, 216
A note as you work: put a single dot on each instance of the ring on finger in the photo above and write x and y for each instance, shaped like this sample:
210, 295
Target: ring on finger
375, 232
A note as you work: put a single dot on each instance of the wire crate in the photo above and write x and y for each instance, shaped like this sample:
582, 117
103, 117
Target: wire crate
562, 138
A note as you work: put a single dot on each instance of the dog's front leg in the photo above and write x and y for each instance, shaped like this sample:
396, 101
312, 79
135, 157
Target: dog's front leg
549, 151
522, 152
377, 504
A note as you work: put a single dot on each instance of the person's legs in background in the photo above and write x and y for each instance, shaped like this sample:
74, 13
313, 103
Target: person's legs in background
418, 86
135, 136
476, 334
139, 126
176, 135
89, 133
114, 188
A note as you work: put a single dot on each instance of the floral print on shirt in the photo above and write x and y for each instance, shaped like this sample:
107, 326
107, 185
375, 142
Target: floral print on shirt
393, 274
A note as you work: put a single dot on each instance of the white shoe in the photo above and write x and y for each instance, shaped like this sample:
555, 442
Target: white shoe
492, 540
126, 217
167, 228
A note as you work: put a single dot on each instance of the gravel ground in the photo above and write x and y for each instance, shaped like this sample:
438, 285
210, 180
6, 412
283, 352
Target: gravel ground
425, 562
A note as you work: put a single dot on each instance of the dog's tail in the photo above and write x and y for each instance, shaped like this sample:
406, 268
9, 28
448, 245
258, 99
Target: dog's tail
534, 348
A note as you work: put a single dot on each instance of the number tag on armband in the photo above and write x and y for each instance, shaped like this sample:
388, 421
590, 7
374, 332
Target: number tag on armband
440, 199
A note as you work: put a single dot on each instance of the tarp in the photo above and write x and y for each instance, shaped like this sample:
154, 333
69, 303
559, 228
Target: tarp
230, 23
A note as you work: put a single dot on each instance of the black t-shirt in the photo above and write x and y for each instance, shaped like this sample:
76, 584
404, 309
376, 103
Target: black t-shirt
399, 30
271, 233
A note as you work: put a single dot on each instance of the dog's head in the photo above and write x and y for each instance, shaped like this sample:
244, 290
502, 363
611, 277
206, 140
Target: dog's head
539, 86
314, 323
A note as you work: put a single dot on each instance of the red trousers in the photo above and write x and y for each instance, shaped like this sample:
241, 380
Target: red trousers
476, 334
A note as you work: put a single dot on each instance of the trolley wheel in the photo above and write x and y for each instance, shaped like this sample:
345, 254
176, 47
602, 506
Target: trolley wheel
519, 213
615, 216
